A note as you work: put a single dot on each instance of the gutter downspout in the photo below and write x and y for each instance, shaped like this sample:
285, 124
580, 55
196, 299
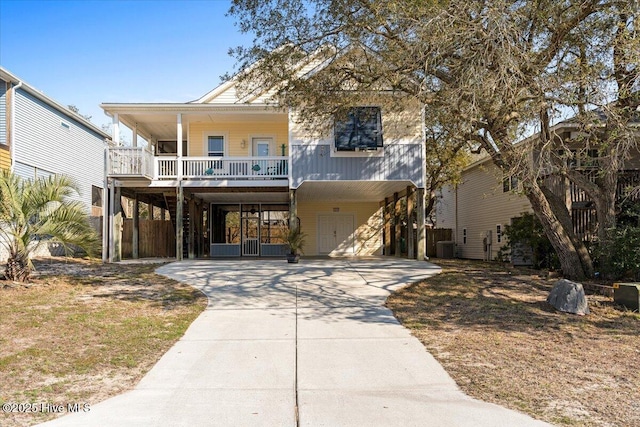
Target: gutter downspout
13, 124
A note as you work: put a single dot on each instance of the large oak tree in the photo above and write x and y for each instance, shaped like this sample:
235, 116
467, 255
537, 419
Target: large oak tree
492, 70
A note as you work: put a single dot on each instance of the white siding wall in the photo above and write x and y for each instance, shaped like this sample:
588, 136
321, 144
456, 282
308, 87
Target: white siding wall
481, 205
3, 112
43, 143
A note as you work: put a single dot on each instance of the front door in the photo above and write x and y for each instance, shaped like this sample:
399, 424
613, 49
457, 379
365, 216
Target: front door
262, 147
335, 234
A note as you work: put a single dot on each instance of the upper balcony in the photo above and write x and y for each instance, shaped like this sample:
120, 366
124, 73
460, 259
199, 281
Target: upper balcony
137, 163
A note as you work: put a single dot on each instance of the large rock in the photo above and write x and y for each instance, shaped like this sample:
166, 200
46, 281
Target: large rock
569, 297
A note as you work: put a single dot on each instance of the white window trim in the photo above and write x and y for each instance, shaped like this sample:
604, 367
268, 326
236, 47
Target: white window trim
273, 147
499, 232
205, 142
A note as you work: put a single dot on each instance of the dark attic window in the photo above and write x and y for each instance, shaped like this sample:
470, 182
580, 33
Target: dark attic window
359, 129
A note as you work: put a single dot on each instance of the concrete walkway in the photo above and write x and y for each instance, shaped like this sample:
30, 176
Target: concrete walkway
281, 344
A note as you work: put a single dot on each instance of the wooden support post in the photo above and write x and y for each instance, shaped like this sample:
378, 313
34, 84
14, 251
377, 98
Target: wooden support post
105, 209
200, 229
410, 242
191, 237
420, 219
397, 225
110, 218
136, 228
179, 191
117, 225
387, 228
293, 210
179, 222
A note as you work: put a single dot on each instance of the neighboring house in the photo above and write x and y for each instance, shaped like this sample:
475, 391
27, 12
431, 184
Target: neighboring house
486, 200
230, 173
478, 208
39, 137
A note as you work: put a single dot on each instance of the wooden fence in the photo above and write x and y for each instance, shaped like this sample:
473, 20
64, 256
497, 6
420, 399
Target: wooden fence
156, 239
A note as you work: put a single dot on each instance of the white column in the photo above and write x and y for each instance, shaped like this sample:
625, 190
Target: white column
105, 209
180, 193
179, 146
134, 135
115, 129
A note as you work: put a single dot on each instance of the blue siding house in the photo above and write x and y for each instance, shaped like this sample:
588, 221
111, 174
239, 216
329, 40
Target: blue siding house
40, 137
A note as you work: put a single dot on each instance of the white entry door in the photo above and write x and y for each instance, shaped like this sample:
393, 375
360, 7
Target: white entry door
335, 234
262, 147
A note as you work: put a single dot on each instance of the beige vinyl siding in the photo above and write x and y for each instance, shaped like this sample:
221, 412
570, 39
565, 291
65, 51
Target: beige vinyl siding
230, 96
397, 128
5, 159
235, 133
227, 96
367, 219
481, 206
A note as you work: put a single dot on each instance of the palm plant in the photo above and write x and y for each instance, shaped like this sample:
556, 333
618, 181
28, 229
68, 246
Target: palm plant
295, 241
35, 212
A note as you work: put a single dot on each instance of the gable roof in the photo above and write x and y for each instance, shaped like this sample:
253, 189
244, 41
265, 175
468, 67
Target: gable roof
14, 80
227, 92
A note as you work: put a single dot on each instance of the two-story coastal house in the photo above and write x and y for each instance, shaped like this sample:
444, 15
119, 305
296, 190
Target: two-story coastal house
230, 172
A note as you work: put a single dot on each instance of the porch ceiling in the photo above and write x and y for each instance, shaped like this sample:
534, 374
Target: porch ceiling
365, 191
159, 121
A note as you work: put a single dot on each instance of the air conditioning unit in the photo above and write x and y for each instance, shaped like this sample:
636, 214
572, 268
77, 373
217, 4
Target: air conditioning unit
445, 249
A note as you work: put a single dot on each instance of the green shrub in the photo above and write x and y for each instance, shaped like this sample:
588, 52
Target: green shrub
620, 256
526, 239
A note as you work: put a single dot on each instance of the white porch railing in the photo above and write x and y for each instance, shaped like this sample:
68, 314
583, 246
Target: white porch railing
137, 162
166, 168
273, 167
130, 162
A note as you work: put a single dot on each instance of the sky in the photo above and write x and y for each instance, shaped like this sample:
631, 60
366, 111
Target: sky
92, 51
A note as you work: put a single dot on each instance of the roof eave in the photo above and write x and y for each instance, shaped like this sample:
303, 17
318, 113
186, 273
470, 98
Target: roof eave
8, 76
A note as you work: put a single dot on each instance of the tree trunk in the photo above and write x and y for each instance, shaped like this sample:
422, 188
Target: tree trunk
563, 216
570, 261
606, 201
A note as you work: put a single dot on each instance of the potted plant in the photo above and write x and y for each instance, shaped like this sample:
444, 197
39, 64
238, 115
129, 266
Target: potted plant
295, 241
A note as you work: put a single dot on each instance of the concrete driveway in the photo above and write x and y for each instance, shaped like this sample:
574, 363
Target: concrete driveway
308, 344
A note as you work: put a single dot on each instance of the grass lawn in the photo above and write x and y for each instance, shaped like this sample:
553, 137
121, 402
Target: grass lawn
82, 331
491, 328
